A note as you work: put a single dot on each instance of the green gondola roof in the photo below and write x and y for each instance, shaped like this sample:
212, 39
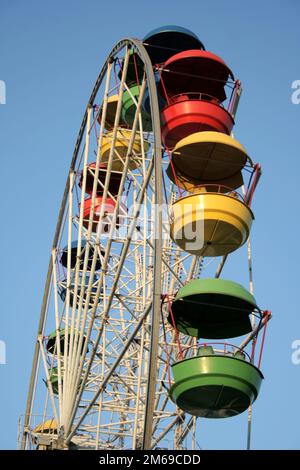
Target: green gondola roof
213, 309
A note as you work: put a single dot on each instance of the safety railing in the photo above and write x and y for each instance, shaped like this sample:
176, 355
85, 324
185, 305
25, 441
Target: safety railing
194, 96
215, 349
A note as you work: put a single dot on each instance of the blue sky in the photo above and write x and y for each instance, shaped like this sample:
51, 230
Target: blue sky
51, 53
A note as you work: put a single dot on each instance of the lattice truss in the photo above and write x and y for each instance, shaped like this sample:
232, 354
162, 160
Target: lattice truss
95, 375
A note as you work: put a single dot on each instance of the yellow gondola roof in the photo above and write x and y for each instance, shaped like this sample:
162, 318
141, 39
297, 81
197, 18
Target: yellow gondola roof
47, 426
111, 109
208, 158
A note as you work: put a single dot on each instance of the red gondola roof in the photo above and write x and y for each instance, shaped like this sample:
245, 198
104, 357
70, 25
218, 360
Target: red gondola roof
196, 71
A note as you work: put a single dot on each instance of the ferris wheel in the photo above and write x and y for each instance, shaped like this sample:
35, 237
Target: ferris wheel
132, 346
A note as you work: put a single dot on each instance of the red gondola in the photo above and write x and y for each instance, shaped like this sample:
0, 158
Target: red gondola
193, 83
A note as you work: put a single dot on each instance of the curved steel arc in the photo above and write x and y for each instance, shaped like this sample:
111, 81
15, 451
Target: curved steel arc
158, 238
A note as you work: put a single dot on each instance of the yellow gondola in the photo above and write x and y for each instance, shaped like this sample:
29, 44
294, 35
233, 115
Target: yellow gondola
121, 149
210, 224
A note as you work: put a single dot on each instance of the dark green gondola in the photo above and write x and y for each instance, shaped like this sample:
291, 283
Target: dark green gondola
215, 386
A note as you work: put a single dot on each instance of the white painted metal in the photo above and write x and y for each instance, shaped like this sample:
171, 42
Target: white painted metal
113, 370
